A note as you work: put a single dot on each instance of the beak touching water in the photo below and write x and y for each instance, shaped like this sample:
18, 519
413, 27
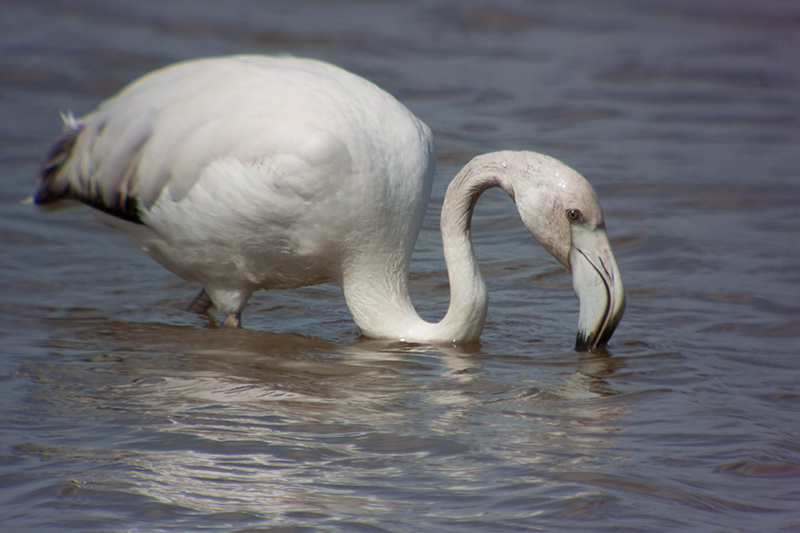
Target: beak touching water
598, 284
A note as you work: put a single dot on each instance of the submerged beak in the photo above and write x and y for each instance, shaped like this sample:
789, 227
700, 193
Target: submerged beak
597, 283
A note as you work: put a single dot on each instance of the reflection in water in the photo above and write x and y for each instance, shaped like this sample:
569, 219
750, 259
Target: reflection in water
257, 421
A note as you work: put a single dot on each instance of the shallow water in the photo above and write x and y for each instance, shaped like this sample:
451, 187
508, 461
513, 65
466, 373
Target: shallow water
121, 412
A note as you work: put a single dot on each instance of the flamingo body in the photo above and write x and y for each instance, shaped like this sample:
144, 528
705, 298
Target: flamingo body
253, 172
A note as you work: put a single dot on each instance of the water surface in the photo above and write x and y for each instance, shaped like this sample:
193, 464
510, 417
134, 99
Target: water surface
121, 412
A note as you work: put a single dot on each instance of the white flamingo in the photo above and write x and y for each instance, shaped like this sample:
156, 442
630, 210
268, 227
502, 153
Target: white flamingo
252, 172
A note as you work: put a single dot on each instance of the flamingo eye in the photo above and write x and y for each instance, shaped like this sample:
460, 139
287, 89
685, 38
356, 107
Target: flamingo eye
574, 214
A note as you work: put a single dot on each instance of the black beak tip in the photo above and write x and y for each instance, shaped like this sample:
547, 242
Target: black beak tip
592, 343
588, 342
584, 343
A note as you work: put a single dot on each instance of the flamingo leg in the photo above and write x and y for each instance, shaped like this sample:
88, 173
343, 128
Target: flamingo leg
201, 303
233, 321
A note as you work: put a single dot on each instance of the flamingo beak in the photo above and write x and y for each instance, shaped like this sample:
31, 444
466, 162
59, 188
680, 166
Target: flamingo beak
597, 282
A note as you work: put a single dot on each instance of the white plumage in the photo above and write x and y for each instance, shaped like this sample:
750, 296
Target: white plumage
253, 172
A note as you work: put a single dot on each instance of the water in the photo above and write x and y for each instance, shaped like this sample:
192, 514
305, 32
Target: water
121, 412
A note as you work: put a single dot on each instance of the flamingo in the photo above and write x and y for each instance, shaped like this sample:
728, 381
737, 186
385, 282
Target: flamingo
256, 172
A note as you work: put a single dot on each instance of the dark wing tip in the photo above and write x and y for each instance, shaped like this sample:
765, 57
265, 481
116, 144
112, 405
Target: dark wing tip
50, 189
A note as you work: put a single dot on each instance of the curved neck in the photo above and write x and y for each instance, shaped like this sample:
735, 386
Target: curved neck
468, 297
385, 311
